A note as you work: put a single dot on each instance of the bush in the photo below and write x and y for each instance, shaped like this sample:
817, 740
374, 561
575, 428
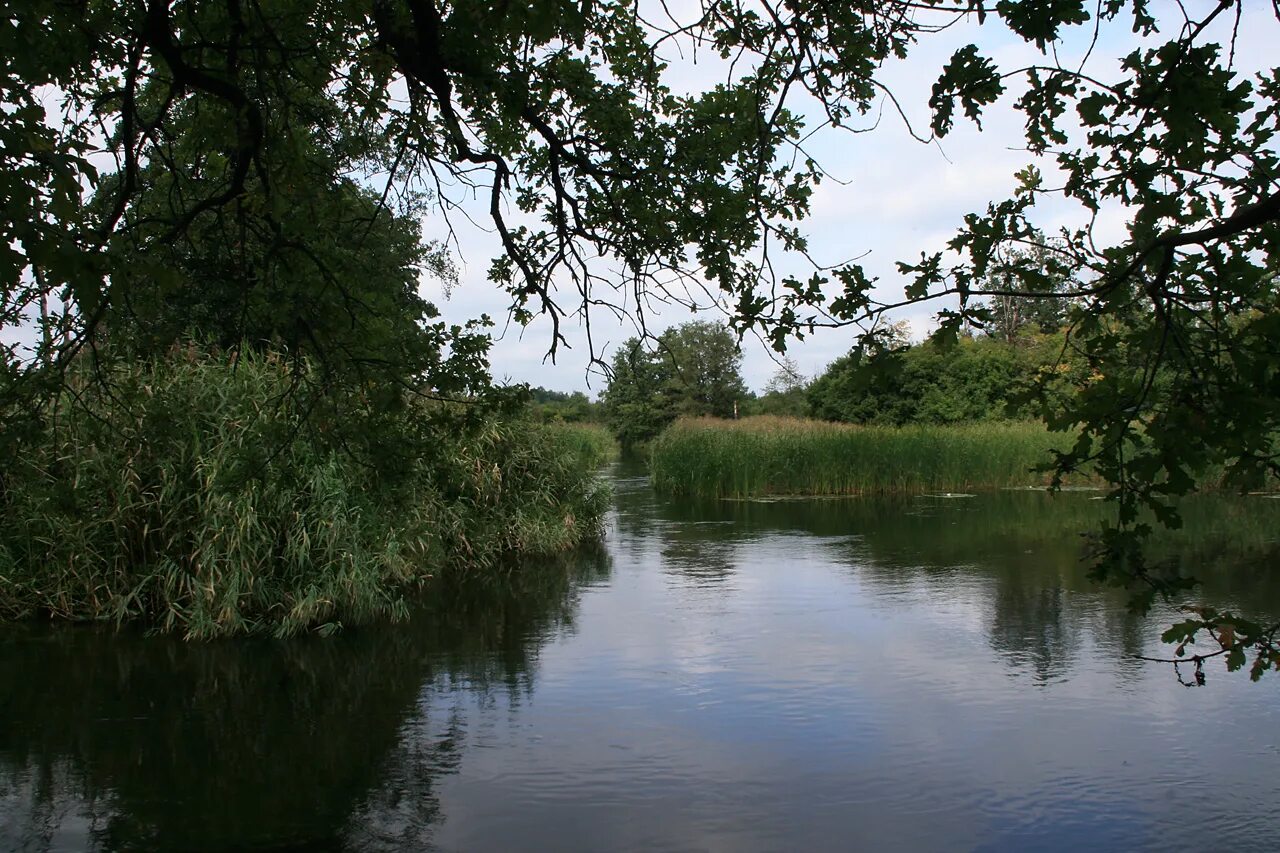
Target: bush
211, 498
980, 379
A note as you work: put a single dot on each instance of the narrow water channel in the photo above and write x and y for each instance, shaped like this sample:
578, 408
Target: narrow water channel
924, 673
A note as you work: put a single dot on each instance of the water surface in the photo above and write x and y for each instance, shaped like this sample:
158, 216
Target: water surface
923, 673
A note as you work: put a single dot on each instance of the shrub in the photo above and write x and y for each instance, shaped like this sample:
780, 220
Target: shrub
214, 498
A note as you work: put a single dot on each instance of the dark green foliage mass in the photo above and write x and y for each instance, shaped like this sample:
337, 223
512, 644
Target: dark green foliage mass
693, 369
635, 404
305, 259
702, 368
975, 379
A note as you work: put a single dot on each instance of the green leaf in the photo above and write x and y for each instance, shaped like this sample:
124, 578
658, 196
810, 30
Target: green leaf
970, 77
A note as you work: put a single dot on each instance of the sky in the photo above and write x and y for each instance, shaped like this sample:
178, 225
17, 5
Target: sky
892, 198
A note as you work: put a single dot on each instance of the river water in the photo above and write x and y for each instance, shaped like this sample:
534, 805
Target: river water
923, 673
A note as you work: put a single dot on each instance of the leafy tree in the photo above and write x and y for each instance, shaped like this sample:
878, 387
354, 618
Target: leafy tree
569, 407
694, 369
559, 110
784, 393
336, 279
701, 369
972, 380
304, 260
635, 405
787, 379
1012, 311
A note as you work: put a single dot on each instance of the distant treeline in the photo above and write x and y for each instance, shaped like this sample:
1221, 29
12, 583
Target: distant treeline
975, 379
571, 407
1011, 372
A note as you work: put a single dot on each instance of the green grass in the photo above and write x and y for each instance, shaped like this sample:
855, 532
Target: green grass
209, 499
788, 456
592, 444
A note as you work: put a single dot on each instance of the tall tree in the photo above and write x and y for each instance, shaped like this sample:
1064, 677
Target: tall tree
635, 405
787, 379
693, 369
1017, 305
785, 393
702, 369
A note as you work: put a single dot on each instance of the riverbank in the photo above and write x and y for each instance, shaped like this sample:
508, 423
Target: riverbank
208, 499
789, 456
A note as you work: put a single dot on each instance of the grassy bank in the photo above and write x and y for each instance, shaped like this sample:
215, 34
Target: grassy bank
208, 499
787, 456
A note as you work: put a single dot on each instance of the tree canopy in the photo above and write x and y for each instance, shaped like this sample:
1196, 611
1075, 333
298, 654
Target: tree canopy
692, 370
973, 380
608, 187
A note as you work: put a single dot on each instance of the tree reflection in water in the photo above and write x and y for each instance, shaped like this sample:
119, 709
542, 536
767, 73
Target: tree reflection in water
118, 741
767, 672
1024, 548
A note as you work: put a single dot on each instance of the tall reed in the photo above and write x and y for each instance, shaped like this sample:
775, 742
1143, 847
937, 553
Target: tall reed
788, 456
209, 499
592, 443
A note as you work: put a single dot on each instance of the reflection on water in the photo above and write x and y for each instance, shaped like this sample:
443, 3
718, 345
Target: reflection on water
1019, 554
129, 742
922, 673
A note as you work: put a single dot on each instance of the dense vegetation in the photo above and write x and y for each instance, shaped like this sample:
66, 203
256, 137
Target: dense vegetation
570, 407
785, 456
203, 495
236, 130
981, 378
590, 442
264, 427
692, 369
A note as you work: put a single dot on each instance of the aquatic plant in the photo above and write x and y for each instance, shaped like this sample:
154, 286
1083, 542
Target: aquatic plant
212, 497
788, 456
593, 444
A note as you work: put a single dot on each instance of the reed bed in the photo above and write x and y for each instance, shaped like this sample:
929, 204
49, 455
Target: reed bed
787, 456
209, 499
593, 444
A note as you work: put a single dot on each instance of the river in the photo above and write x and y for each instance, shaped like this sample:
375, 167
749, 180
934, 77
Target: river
921, 673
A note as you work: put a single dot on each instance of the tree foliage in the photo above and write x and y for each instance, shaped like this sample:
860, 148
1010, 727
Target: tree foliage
784, 394
694, 369
563, 406
305, 259
607, 187
980, 378
1014, 310
635, 407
